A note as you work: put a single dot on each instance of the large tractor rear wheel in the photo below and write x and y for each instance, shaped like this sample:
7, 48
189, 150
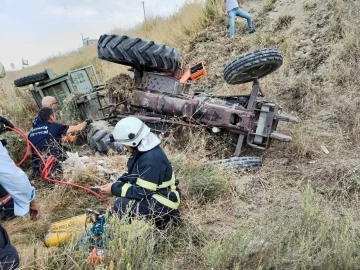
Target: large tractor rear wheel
138, 52
252, 66
30, 79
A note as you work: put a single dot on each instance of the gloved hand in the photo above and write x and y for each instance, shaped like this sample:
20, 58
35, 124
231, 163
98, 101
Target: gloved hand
5, 123
123, 178
88, 121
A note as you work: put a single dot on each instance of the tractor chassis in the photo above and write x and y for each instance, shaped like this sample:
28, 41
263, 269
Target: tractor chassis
166, 105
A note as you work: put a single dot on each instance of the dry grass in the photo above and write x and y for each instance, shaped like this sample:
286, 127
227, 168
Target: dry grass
284, 22
268, 5
176, 29
201, 183
305, 237
300, 210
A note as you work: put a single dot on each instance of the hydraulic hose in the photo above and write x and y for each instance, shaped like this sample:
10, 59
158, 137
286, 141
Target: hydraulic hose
48, 165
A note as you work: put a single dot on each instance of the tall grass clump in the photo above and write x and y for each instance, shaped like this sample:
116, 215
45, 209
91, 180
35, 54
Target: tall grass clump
345, 68
67, 257
177, 28
283, 22
126, 245
135, 244
202, 183
268, 5
17, 105
211, 11
130, 245
313, 236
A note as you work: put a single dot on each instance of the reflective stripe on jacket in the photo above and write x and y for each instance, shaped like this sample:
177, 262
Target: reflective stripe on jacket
150, 175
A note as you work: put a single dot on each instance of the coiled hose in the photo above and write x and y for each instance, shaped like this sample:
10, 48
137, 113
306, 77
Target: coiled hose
48, 165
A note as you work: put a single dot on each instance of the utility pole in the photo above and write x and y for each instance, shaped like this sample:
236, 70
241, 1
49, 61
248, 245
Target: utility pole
143, 2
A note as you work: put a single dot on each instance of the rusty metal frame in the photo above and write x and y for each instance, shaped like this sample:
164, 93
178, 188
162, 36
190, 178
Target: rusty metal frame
236, 119
160, 100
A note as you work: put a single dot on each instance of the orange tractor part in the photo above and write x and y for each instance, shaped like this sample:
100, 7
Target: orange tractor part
194, 73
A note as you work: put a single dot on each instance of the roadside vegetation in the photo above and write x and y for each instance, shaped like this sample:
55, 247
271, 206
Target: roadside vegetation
299, 211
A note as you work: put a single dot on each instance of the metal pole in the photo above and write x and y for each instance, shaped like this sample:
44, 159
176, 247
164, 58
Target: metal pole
143, 2
254, 93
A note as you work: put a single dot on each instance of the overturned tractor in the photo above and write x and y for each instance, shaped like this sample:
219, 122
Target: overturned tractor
162, 97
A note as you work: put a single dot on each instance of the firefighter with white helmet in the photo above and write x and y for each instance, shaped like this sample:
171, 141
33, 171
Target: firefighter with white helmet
149, 188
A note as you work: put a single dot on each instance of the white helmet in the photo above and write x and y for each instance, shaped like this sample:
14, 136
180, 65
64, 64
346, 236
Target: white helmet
130, 131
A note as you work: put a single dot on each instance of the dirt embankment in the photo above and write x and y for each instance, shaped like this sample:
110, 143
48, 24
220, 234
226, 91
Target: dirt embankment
316, 44
304, 31
317, 83
302, 207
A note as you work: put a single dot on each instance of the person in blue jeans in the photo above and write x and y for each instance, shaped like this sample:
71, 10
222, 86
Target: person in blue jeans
231, 9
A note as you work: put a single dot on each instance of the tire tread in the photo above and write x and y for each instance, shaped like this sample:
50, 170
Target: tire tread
138, 52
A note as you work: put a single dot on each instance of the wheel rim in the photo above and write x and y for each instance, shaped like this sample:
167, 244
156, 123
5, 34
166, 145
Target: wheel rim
253, 73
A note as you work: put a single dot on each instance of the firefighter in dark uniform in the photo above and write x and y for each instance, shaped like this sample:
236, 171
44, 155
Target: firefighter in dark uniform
17, 197
47, 136
149, 188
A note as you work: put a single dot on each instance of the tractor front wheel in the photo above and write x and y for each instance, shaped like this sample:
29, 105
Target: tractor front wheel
252, 66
